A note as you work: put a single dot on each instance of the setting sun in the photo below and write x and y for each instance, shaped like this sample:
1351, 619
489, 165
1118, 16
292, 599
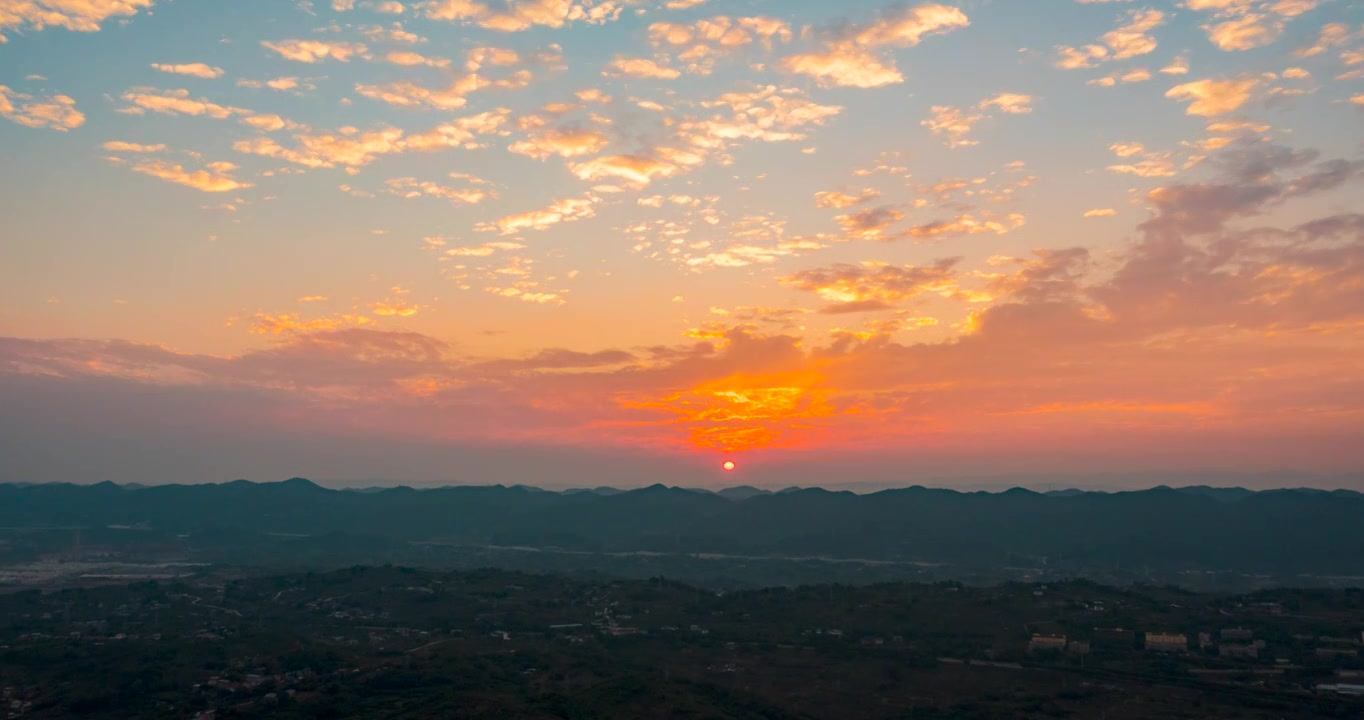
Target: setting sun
729, 465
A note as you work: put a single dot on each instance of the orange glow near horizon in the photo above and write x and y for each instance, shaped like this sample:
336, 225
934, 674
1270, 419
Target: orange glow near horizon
683, 231
744, 412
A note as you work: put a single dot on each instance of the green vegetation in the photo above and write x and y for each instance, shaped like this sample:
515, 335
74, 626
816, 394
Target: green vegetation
367, 642
1200, 538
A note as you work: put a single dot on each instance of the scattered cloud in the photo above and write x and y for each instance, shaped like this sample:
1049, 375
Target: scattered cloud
1212, 97
74, 15
846, 60
640, 68
408, 58
215, 177
840, 200
524, 15
54, 112
314, 51
1126, 41
566, 142
1011, 103
409, 187
952, 124
120, 146
177, 101
566, 210
199, 70
874, 285
634, 170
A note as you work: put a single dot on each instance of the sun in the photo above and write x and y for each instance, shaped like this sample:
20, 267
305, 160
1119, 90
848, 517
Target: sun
729, 465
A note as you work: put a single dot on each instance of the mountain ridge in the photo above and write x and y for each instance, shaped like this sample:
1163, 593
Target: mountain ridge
1189, 529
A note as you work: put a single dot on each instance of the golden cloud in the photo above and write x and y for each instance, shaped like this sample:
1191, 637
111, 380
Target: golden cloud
215, 177
1012, 103
1214, 97
178, 101
523, 15
56, 112
952, 124
407, 58
640, 68
636, 170
840, 200
199, 70
566, 210
314, 51
846, 61
73, 15
563, 143
120, 146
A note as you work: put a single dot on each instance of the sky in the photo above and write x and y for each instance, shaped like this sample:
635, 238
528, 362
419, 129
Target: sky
591, 242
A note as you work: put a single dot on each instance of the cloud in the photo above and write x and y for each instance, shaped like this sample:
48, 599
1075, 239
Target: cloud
1178, 66
73, 15
178, 101
314, 51
120, 146
874, 286
394, 33
351, 148
640, 68
1131, 76
279, 83
952, 124
1244, 33
407, 59
215, 177
484, 250
478, 57
393, 308
567, 142
1209, 97
843, 65
522, 15
870, 223
409, 187
846, 61
1069, 58
635, 170
450, 97
1126, 41
1011, 103
1330, 35
55, 112
1248, 24
324, 150
1126, 149
1100, 212
840, 200
198, 70
1133, 39
966, 224
1154, 167
767, 114
459, 132
698, 46
566, 210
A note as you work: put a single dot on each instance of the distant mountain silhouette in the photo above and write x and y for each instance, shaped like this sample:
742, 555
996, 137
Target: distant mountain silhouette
742, 492
1194, 529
